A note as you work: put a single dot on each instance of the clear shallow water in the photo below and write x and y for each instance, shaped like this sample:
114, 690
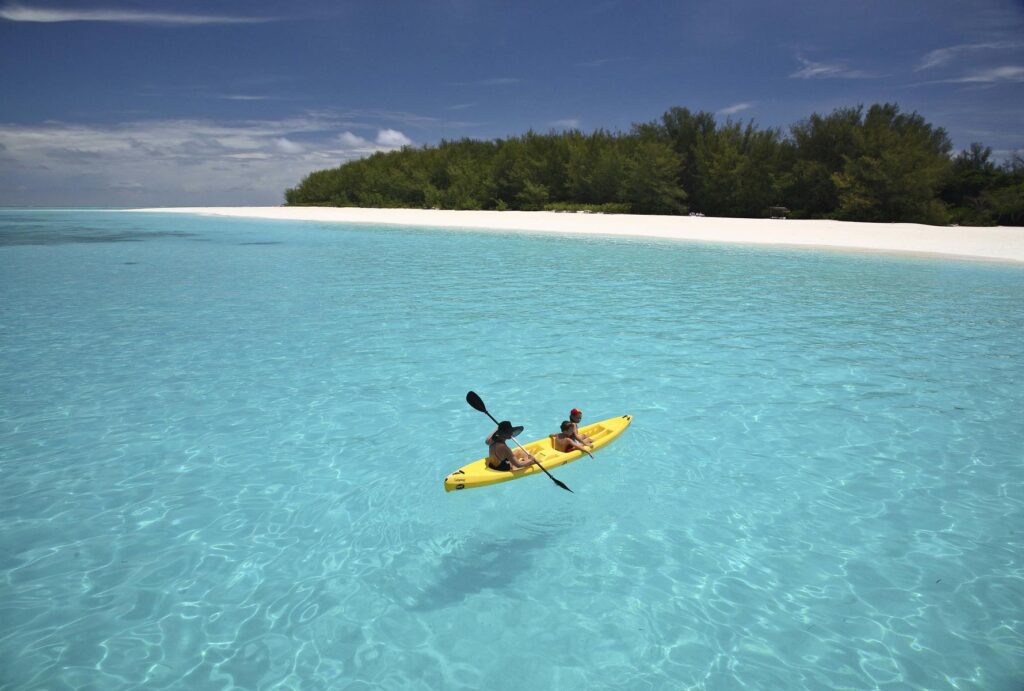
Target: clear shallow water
222, 445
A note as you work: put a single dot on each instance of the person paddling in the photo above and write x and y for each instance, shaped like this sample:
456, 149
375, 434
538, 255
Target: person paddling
500, 457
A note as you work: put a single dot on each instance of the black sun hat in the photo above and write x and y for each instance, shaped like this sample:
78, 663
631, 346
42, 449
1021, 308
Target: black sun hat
505, 429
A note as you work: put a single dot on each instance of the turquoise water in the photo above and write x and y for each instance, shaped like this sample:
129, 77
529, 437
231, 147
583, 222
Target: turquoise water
222, 446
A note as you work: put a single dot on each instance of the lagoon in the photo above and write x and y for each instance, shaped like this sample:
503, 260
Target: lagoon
223, 441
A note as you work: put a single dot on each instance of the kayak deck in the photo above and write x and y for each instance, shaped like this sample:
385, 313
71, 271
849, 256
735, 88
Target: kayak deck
479, 474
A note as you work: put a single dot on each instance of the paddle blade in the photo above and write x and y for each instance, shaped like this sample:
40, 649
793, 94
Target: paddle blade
475, 401
561, 484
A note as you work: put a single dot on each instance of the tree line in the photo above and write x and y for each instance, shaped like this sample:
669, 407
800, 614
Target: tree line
876, 164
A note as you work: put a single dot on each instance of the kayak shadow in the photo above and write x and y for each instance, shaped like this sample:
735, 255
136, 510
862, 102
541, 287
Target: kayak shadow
476, 567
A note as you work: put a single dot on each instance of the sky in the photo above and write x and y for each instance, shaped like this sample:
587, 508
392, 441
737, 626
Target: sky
229, 102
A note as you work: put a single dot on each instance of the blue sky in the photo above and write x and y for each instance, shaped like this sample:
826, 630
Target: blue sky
153, 102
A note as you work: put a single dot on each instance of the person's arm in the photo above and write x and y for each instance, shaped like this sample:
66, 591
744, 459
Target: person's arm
523, 459
581, 446
578, 436
507, 453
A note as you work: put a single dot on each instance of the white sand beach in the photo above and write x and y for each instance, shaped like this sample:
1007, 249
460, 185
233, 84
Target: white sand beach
1000, 244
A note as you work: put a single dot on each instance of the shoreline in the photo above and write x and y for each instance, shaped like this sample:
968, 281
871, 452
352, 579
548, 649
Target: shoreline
1003, 244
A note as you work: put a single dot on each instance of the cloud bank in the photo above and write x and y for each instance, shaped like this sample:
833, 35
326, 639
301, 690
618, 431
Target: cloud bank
176, 162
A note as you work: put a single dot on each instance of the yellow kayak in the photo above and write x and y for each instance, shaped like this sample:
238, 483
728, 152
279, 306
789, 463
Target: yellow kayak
478, 474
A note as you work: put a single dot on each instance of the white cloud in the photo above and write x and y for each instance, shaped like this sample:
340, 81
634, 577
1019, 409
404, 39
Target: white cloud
1008, 73
184, 161
287, 146
600, 62
392, 139
940, 56
736, 108
567, 123
23, 13
351, 141
990, 76
824, 70
943, 56
243, 97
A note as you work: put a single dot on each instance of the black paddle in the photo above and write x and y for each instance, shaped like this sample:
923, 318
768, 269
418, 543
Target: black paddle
477, 403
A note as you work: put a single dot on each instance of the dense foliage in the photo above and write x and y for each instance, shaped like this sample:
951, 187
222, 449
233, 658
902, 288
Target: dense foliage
874, 165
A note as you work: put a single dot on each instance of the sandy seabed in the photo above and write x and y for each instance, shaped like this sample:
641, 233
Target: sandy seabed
1001, 243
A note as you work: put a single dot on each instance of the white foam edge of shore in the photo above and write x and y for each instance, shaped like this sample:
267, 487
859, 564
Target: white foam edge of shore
994, 244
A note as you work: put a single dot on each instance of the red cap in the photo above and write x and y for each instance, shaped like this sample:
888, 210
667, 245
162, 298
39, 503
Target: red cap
575, 411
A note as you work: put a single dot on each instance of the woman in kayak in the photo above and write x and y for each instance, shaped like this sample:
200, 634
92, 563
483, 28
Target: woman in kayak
500, 457
575, 416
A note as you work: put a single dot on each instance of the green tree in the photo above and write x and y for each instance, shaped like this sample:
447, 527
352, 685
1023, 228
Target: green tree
903, 164
593, 168
739, 169
688, 133
650, 182
972, 173
821, 145
532, 197
1005, 205
878, 165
